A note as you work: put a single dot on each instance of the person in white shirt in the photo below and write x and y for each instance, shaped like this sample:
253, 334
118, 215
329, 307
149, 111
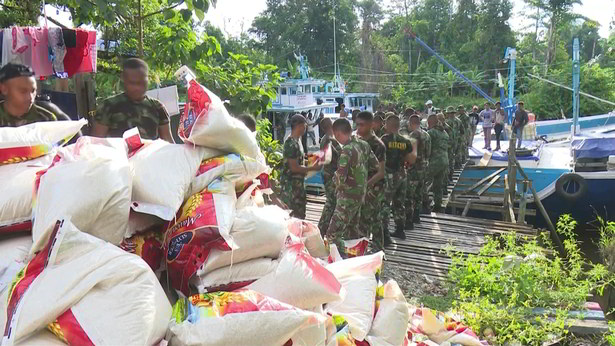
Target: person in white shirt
486, 115
500, 121
429, 110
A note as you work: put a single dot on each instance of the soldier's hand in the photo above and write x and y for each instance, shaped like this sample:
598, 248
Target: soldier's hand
315, 167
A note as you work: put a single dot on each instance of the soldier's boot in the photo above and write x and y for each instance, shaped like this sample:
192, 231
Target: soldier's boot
399, 233
387, 239
437, 209
416, 218
409, 225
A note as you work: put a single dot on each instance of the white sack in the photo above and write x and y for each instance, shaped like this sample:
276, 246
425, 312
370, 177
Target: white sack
114, 296
358, 276
299, 281
91, 184
310, 236
163, 172
390, 325
16, 196
30, 141
14, 251
234, 277
257, 232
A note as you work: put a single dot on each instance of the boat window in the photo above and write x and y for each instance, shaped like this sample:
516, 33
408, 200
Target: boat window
293, 91
369, 102
360, 102
313, 89
283, 91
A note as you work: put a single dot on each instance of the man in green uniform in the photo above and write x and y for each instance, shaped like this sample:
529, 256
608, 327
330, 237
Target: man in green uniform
371, 211
417, 172
448, 174
378, 124
132, 108
405, 120
438, 161
18, 87
400, 153
292, 176
465, 122
328, 173
351, 177
455, 125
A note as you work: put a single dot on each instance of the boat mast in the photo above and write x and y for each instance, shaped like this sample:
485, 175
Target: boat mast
576, 72
334, 46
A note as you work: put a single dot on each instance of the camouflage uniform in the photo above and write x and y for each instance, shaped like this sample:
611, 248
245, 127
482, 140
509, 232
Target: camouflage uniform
372, 213
119, 113
292, 184
467, 129
416, 175
356, 158
459, 143
397, 148
438, 162
379, 133
328, 173
426, 181
35, 114
454, 138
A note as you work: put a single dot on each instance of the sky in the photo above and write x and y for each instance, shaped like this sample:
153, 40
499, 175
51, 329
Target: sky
235, 16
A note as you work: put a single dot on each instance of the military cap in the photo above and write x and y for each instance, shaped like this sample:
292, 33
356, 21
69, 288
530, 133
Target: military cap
461, 107
393, 116
10, 71
450, 109
409, 111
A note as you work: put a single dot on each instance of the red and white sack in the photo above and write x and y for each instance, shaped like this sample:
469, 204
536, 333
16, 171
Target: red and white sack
163, 172
206, 122
299, 280
234, 277
310, 236
30, 141
14, 250
243, 317
88, 292
16, 194
390, 326
148, 246
202, 224
358, 276
356, 247
321, 157
90, 183
235, 168
142, 218
256, 232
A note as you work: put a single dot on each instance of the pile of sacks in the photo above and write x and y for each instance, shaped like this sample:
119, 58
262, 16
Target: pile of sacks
130, 242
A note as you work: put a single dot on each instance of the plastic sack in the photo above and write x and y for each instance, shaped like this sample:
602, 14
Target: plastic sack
93, 293
358, 276
440, 328
148, 246
310, 236
30, 141
233, 167
16, 196
203, 223
163, 173
356, 247
142, 218
206, 122
390, 326
234, 277
90, 183
299, 281
238, 318
321, 157
256, 232
14, 250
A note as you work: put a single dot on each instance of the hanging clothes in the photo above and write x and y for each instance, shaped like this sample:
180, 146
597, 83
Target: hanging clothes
75, 55
16, 47
40, 51
88, 64
57, 51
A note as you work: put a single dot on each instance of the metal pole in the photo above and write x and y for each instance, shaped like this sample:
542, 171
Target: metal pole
334, 46
576, 75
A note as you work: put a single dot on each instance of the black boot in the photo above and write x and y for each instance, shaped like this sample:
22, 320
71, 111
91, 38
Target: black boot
409, 225
387, 239
399, 233
416, 218
437, 209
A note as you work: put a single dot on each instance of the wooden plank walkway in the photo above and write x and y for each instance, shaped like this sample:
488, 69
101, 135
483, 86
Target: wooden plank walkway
422, 250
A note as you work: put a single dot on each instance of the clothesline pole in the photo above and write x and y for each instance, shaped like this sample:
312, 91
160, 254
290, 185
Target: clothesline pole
45, 14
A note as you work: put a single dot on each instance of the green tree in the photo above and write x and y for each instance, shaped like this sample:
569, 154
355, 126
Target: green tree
16, 12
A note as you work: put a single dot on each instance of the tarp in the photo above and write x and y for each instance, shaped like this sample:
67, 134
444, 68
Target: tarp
534, 146
593, 147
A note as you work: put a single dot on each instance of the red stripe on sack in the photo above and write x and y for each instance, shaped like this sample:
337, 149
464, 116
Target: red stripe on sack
72, 330
16, 227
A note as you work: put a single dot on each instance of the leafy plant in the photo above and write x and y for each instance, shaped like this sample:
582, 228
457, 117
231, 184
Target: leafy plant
271, 148
500, 288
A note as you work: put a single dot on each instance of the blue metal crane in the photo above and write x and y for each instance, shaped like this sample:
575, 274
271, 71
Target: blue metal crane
509, 104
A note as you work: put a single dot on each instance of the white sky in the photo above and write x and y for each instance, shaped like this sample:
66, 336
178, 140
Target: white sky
235, 16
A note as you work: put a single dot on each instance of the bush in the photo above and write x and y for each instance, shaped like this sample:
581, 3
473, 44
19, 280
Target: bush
271, 149
498, 289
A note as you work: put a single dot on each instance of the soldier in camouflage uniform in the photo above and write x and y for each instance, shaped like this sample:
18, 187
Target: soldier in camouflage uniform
459, 143
467, 128
438, 161
405, 120
133, 108
328, 173
293, 172
378, 124
351, 177
441, 120
17, 108
400, 154
455, 139
371, 212
417, 172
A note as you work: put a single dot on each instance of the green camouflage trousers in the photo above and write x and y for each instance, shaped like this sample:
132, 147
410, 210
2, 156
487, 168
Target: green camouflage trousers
438, 174
293, 194
451, 163
371, 213
425, 190
344, 222
327, 212
414, 193
396, 195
